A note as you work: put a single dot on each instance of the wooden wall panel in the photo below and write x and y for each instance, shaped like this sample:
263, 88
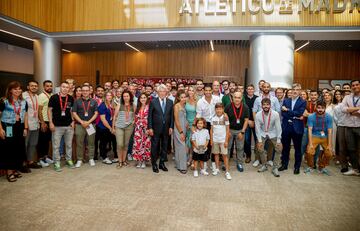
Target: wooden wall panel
226, 62
311, 66
190, 63
82, 15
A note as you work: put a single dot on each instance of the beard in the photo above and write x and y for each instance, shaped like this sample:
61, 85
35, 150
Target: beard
266, 109
321, 112
48, 91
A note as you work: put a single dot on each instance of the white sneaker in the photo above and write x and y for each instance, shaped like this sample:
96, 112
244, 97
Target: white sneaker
107, 161
263, 168
270, 163
139, 164
213, 166
115, 160
215, 172
130, 157
196, 173
78, 164
256, 163
205, 165
143, 165
204, 172
43, 164
92, 162
352, 172
49, 161
228, 176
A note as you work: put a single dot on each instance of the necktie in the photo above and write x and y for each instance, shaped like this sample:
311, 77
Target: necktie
163, 106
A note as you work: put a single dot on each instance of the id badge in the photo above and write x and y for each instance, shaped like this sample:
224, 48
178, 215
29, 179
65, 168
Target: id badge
322, 133
238, 121
86, 114
9, 131
63, 113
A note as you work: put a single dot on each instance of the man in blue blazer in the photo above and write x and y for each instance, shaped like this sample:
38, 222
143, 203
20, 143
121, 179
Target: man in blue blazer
292, 128
160, 127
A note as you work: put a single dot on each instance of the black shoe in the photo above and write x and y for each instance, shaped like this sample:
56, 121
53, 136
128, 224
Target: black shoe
155, 168
34, 165
282, 168
163, 167
296, 171
344, 170
24, 169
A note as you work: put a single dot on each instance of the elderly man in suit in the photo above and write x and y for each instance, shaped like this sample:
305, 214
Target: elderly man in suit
292, 128
160, 127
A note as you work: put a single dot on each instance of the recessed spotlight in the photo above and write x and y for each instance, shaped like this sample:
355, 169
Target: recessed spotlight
349, 45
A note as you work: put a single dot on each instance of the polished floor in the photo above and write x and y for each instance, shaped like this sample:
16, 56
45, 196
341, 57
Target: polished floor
106, 198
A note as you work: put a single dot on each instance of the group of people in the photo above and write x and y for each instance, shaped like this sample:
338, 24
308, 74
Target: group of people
204, 125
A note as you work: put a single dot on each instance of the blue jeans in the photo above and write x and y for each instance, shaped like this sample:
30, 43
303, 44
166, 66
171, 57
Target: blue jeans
247, 144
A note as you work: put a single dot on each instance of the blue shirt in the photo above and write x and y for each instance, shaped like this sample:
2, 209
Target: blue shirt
318, 123
103, 110
293, 102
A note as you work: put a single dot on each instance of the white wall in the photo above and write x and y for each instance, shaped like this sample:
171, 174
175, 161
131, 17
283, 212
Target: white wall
16, 59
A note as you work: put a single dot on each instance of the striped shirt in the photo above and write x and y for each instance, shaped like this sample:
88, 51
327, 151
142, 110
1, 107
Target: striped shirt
125, 117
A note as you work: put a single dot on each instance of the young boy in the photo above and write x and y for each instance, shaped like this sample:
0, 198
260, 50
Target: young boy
219, 136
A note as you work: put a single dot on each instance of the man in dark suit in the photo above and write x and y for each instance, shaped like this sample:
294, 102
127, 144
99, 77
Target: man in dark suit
160, 125
292, 128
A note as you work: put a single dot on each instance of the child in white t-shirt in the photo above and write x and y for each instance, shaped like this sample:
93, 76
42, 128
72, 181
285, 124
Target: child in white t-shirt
200, 140
219, 136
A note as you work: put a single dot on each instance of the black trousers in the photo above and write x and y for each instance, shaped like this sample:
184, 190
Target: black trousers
97, 141
44, 142
208, 151
13, 152
159, 144
106, 138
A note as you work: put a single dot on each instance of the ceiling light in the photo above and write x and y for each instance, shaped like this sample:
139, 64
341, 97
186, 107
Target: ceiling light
211, 45
127, 44
17, 35
66, 50
307, 43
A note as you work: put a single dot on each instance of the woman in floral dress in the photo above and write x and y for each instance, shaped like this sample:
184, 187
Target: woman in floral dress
142, 144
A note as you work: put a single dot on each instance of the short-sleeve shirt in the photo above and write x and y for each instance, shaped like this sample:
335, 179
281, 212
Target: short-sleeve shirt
83, 106
200, 137
44, 101
58, 119
219, 128
232, 118
319, 124
103, 110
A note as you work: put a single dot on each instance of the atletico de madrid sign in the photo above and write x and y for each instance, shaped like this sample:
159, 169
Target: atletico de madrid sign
224, 7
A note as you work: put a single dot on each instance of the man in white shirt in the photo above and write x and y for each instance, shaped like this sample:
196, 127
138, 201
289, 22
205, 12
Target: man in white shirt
351, 106
268, 129
33, 120
205, 108
216, 89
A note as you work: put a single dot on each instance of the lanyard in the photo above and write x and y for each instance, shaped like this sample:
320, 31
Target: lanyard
235, 114
322, 122
35, 106
17, 111
47, 95
63, 108
311, 107
355, 102
268, 126
86, 110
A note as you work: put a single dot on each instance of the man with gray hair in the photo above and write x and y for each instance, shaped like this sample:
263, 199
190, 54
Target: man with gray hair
160, 127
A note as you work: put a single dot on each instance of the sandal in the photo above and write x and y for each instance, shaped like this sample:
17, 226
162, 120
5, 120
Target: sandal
11, 178
119, 165
125, 163
17, 174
